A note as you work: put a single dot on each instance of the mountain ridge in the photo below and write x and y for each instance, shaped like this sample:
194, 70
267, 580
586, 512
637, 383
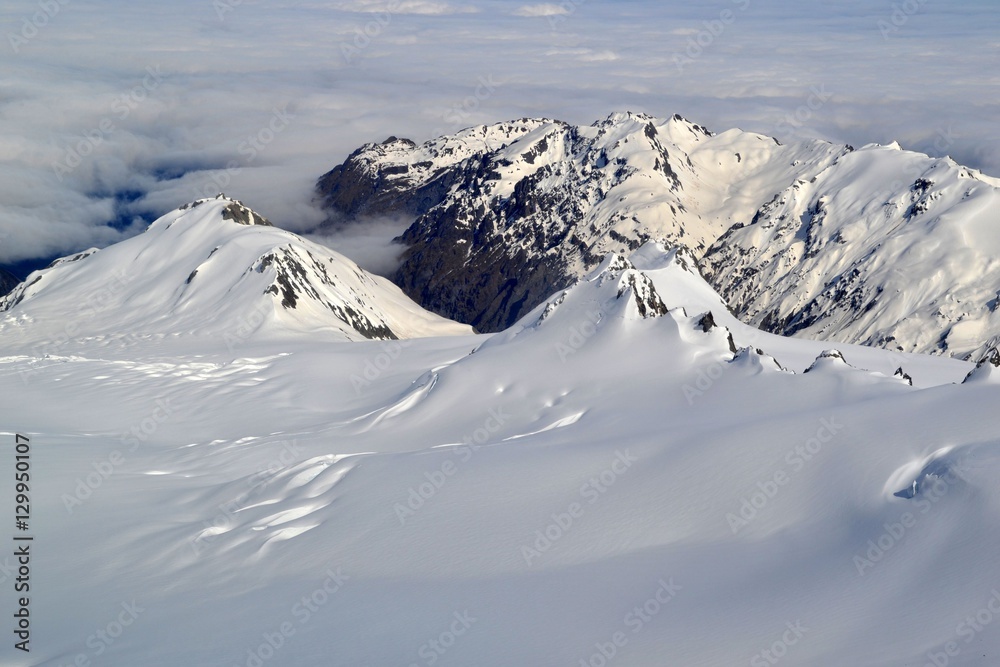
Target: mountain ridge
506, 214
208, 268
495, 200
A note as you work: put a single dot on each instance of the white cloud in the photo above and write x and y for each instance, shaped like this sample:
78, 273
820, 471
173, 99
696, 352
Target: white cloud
599, 56
368, 242
544, 9
585, 55
424, 7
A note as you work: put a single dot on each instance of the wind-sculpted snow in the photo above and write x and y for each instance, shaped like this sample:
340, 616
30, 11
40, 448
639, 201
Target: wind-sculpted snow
875, 246
591, 481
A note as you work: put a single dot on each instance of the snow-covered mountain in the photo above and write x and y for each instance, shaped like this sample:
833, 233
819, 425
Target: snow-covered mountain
877, 245
213, 268
510, 212
884, 247
232, 462
627, 471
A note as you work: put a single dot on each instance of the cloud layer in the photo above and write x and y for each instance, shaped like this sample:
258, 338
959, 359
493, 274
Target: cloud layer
113, 114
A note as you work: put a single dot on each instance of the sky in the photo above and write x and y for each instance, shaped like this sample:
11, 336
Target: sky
114, 113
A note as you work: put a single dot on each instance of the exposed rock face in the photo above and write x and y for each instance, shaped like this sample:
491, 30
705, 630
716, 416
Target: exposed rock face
647, 301
8, 281
634, 287
299, 275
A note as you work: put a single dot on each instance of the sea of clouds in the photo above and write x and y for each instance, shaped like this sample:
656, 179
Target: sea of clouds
112, 113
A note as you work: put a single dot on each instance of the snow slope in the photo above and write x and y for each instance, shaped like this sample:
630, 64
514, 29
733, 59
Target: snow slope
605, 482
210, 268
681, 284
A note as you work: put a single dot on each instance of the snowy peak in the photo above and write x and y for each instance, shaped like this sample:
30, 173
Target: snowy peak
756, 360
987, 370
641, 295
210, 268
616, 307
509, 213
877, 246
224, 209
398, 176
829, 360
240, 214
636, 291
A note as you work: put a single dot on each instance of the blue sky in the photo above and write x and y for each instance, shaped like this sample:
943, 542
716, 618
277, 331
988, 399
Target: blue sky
115, 112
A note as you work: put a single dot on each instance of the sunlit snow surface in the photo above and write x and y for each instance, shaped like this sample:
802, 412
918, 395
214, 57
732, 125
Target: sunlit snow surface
591, 480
